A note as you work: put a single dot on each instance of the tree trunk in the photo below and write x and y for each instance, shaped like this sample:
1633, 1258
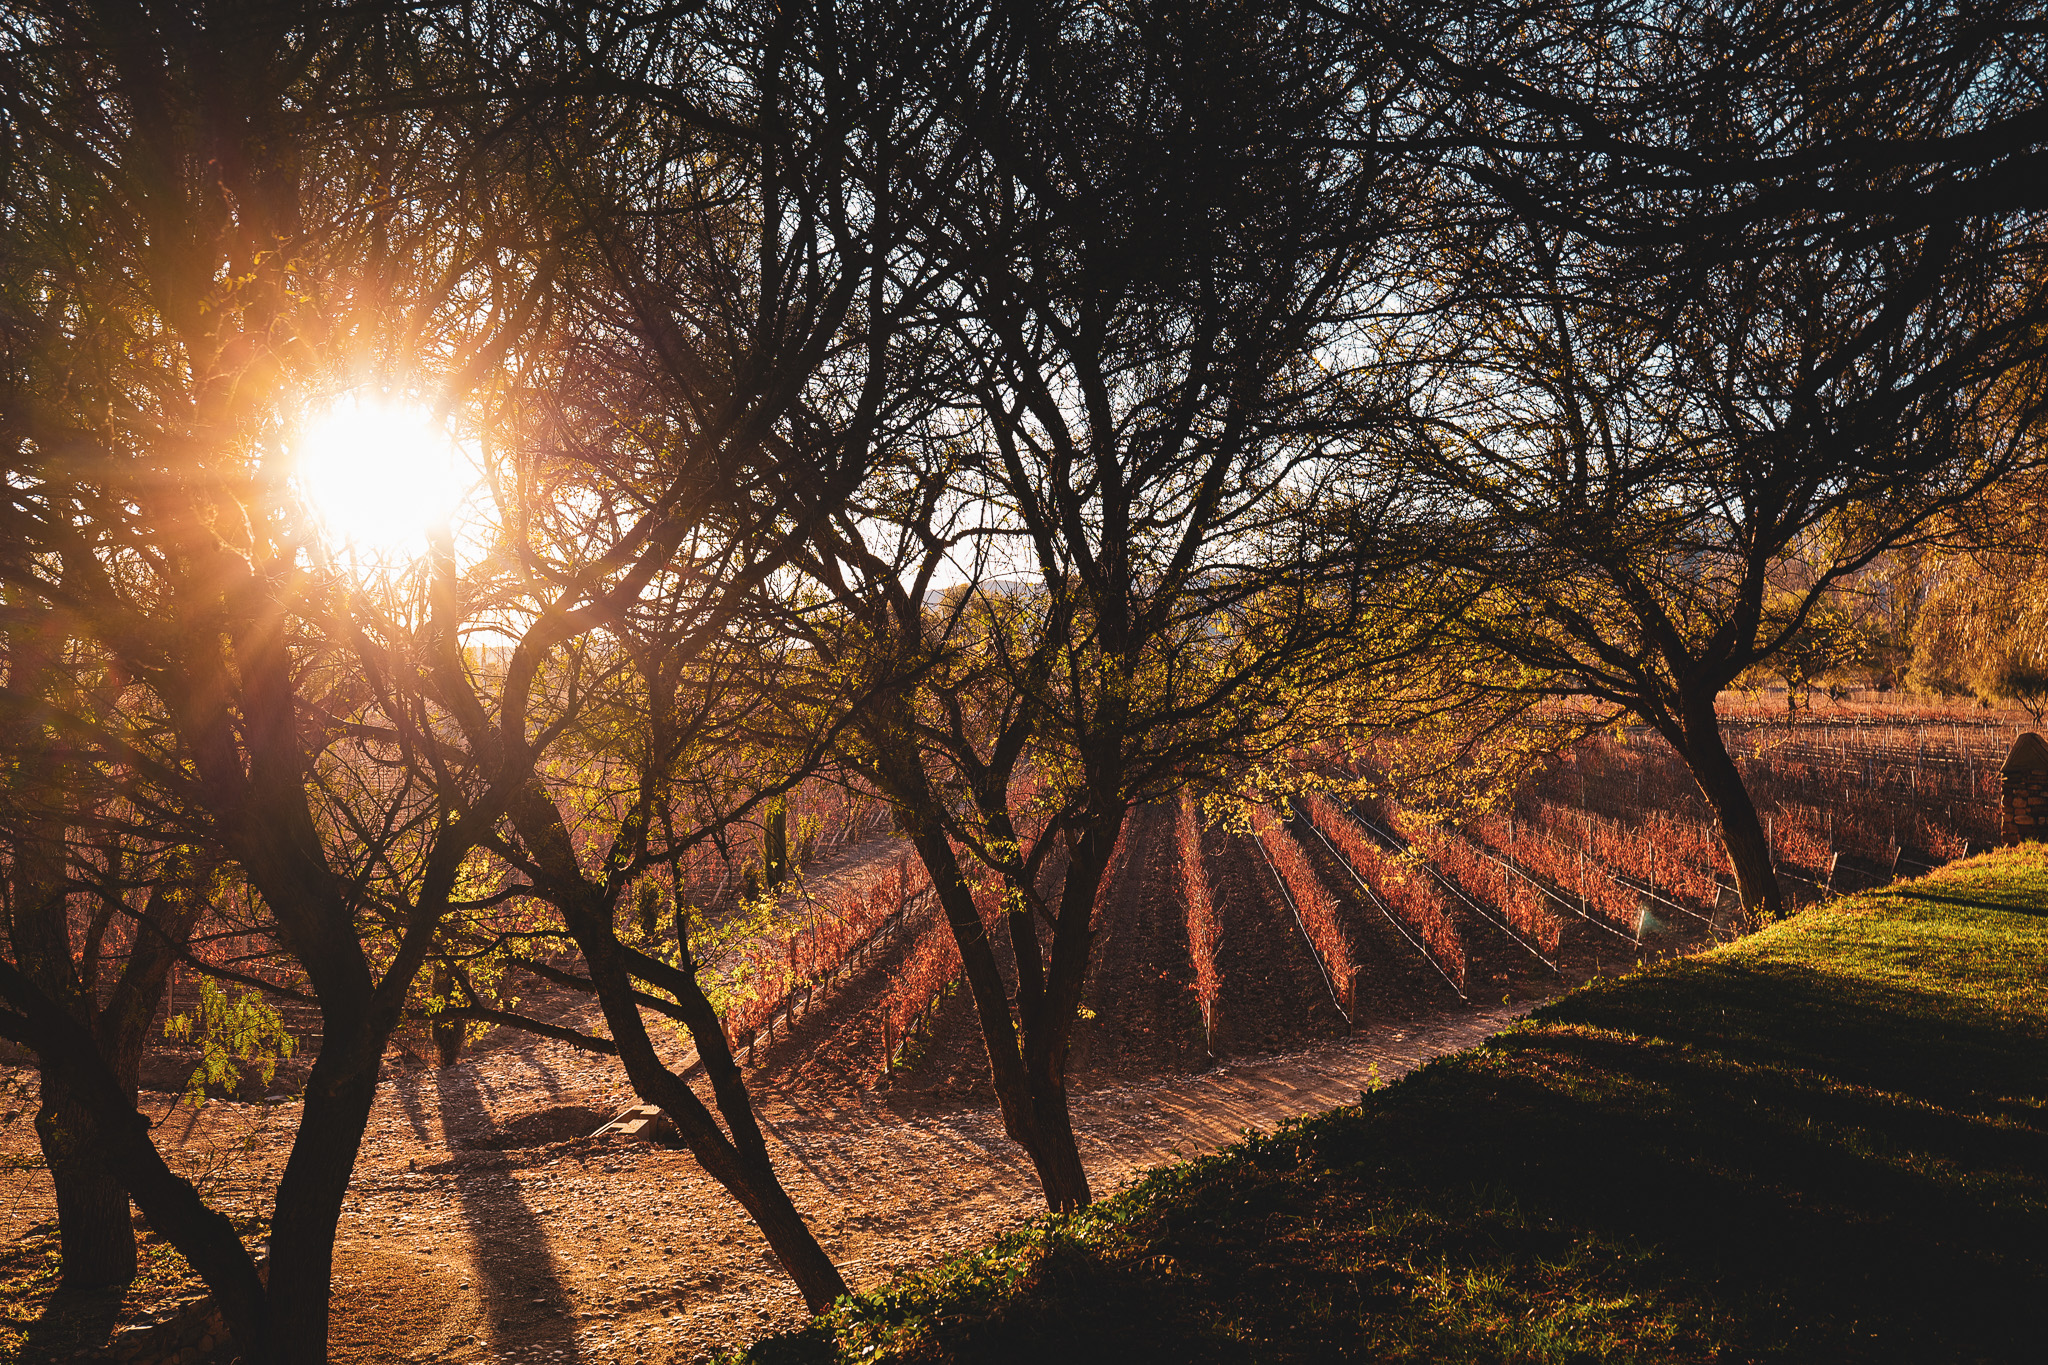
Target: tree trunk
1034, 1105
95, 1232
121, 1136
446, 1029
1056, 1155
1742, 834
775, 846
1048, 1027
339, 1095
95, 1228
739, 1162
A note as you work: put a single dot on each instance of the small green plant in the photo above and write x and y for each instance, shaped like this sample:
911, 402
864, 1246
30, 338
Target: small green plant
230, 1030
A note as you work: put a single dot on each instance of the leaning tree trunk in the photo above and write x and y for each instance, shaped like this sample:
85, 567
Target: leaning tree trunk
340, 1092
737, 1158
1742, 834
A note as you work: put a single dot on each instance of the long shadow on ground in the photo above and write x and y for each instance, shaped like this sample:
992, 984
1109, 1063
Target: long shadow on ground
1829, 1143
524, 1299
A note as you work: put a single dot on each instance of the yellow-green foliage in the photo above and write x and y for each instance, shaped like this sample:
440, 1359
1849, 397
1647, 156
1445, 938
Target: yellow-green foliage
230, 1030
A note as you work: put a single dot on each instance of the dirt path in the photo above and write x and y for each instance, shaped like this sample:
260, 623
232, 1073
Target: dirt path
481, 1225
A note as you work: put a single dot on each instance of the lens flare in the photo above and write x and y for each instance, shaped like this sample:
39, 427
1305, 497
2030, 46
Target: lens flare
378, 474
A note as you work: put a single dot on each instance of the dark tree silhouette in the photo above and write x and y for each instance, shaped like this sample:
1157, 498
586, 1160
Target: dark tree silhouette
1160, 260
728, 191
197, 237
1730, 310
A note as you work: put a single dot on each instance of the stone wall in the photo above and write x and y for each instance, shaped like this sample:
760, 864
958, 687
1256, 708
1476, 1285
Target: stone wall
189, 1334
2023, 806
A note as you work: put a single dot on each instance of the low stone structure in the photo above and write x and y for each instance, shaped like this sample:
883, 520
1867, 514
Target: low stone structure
188, 1332
2023, 804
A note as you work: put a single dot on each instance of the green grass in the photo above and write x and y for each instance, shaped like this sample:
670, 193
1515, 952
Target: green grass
1827, 1142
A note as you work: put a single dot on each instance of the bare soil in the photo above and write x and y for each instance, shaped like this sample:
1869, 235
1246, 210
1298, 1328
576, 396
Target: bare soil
484, 1224
481, 1225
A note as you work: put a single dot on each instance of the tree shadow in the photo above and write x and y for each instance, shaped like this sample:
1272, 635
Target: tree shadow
2015, 906
72, 1324
524, 1299
1944, 1049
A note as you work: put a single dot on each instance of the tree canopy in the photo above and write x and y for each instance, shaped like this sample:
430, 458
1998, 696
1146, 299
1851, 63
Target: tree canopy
1012, 414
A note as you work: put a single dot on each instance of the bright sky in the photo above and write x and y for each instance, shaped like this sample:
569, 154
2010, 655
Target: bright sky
379, 473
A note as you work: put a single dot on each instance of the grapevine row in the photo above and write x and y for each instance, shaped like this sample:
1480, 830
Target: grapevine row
778, 978
1204, 929
1564, 870
1314, 910
1411, 902
1484, 881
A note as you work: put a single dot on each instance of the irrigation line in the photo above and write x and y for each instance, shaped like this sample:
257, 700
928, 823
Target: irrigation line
1642, 888
1374, 898
1521, 872
1400, 845
1294, 910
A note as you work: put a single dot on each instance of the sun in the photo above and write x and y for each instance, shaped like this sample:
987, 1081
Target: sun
378, 473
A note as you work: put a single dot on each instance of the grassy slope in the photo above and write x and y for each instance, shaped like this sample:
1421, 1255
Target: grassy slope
1827, 1142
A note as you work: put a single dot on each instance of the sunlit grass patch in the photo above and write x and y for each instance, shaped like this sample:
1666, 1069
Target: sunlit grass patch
1828, 1141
